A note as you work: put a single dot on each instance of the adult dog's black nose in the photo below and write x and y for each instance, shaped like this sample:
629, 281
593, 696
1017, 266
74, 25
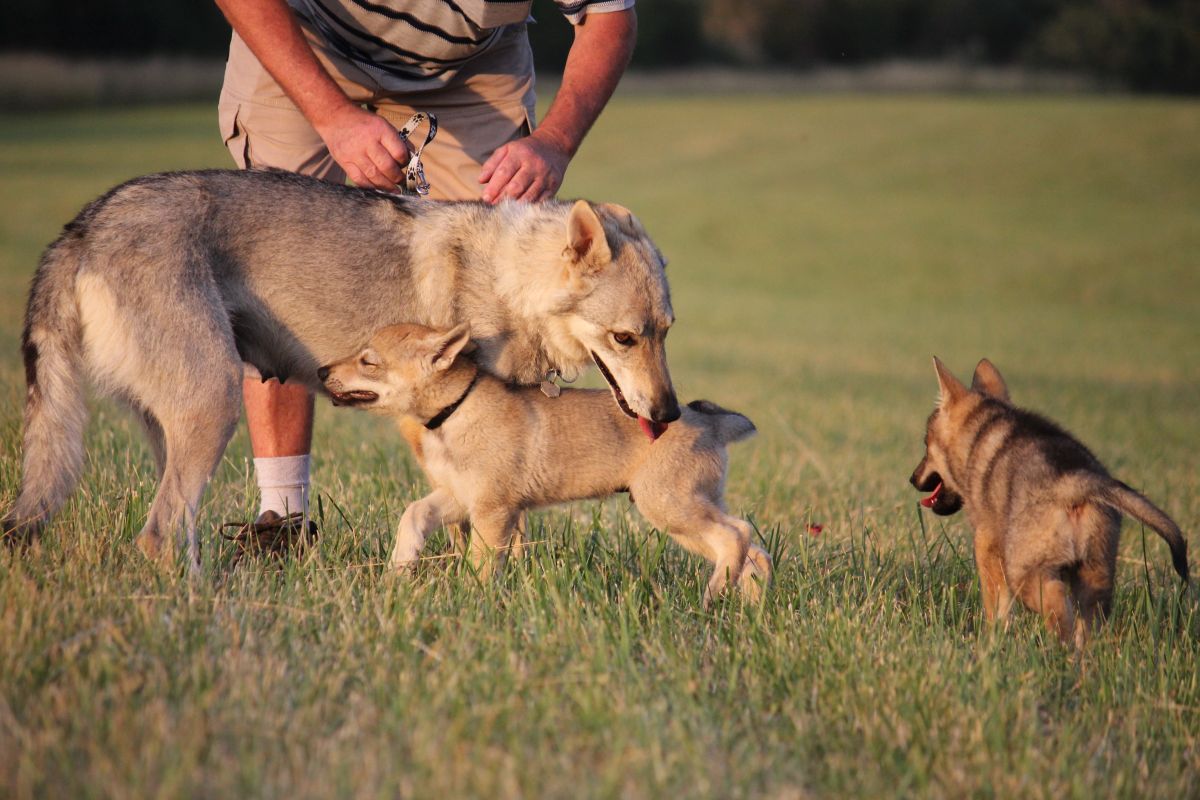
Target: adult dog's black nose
666, 412
322, 374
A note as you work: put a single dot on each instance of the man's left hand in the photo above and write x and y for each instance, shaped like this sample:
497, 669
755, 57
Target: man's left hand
529, 169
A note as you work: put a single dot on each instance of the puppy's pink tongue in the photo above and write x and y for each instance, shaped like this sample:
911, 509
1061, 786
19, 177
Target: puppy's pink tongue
929, 501
652, 429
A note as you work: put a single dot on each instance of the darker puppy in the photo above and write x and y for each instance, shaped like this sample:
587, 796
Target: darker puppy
1046, 513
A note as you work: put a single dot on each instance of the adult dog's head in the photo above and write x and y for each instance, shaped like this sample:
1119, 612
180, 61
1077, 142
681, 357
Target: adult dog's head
614, 308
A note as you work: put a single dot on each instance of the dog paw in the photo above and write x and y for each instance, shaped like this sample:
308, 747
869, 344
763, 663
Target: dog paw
404, 564
717, 584
756, 574
154, 547
405, 570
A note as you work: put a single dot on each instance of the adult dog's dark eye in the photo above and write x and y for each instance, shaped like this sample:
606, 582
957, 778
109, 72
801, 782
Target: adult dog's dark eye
624, 339
363, 361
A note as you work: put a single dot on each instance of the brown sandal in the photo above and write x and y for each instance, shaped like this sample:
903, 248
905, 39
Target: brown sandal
271, 534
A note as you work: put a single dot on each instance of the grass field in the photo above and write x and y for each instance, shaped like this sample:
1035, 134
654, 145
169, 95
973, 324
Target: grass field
822, 249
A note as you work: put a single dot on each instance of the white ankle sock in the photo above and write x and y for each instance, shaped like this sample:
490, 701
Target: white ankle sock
282, 484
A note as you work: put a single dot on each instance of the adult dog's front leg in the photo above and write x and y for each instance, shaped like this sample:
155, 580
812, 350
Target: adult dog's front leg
420, 519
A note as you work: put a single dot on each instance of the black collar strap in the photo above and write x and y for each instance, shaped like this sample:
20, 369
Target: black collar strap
443, 415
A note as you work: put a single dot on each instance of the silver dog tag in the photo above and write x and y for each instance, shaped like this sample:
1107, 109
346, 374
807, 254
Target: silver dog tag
548, 386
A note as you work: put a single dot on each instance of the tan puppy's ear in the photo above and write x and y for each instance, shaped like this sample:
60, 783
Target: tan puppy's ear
950, 388
989, 381
586, 241
446, 345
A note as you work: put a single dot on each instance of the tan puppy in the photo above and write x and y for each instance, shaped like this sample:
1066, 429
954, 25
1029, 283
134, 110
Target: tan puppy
493, 450
1047, 515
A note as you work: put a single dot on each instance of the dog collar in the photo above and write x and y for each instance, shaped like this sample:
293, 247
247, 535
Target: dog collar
436, 421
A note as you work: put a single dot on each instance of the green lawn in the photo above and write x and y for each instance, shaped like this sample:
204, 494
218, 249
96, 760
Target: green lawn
821, 249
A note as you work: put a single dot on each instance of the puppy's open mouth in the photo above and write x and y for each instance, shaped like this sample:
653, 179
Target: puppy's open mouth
652, 429
940, 500
354, 398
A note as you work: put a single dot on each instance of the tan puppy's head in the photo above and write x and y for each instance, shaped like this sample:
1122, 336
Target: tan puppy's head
621, 307
402, 370
935, 473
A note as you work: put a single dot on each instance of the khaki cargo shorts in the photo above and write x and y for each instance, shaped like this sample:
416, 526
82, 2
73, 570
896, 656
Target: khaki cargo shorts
486, 103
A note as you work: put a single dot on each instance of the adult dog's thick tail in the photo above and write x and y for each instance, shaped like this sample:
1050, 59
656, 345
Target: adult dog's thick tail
1131, 502
55, 407
730, 425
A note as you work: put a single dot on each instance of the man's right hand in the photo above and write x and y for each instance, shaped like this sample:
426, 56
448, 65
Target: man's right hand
366, 146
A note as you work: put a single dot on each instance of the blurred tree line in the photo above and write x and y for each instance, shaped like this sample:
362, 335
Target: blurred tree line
1145, 44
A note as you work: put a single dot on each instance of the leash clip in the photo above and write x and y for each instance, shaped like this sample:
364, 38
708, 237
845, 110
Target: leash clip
414, 174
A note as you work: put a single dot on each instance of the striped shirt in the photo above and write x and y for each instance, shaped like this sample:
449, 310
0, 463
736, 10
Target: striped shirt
417, 39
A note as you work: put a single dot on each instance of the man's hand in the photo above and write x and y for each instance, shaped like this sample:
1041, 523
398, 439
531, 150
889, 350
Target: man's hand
532, 168
366, 146
529, 169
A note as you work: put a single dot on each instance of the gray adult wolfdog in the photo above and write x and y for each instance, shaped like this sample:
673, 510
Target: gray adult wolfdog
1046, 513
161, 289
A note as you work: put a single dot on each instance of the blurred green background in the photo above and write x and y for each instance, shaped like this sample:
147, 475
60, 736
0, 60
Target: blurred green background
1151, 45
822, 247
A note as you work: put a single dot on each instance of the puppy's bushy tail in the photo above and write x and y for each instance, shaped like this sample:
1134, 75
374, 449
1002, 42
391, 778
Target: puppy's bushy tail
729, 425
55, 404
1125, 499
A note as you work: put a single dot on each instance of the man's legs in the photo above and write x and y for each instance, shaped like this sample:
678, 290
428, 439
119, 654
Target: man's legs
280, 419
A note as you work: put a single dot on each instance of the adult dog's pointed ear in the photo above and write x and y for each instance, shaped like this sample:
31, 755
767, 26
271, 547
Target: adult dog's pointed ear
445, 346
626, 221
989, 381
950, 388
586, 241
